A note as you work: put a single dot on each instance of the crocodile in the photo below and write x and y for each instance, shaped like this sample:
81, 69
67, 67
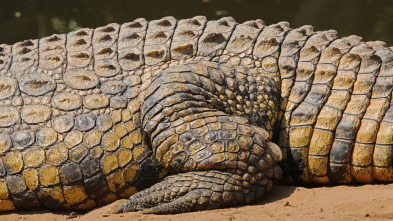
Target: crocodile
189, 115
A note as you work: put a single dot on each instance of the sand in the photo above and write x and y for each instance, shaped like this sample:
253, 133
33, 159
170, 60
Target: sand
368, 202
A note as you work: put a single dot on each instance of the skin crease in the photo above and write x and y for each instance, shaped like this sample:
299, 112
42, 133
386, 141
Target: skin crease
220, 110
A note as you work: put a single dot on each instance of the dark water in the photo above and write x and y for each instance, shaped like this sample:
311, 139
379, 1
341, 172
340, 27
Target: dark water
24, 19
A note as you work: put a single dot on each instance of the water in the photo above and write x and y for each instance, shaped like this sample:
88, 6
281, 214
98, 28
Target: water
20, 20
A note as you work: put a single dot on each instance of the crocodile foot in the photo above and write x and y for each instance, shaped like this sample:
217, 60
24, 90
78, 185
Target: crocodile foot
193, 191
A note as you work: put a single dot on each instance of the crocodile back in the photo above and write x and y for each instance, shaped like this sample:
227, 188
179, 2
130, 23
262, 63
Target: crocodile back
71, 133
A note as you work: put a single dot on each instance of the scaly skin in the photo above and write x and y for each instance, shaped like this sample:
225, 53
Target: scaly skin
96, 115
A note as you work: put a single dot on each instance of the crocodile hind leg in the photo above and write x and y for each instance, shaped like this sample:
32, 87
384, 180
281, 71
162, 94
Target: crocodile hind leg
235, 166
219, 160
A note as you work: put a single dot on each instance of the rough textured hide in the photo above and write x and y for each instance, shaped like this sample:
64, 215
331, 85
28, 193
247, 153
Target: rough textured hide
100, 114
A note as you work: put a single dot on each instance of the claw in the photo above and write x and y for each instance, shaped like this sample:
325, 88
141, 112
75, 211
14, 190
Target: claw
120, 209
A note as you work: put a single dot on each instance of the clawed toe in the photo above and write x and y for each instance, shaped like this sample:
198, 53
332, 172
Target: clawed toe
120, 209
179, 193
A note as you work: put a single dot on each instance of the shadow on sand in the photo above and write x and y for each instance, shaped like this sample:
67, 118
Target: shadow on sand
275, 194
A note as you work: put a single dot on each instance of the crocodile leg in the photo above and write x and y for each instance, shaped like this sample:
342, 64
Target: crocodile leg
245, 160
234, 161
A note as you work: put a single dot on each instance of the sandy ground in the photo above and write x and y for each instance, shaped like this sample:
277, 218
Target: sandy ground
369, 202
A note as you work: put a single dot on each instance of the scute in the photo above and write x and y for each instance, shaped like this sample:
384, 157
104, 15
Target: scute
5, 144
85, 122
34, 114
36, 84
113, 87
46, 137
8, 116
104, 122
23, 139
7, 87
66, 101
63, 123
80, 79
96, 101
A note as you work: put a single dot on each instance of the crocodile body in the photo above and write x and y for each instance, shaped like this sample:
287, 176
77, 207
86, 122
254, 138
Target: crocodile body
214, 106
